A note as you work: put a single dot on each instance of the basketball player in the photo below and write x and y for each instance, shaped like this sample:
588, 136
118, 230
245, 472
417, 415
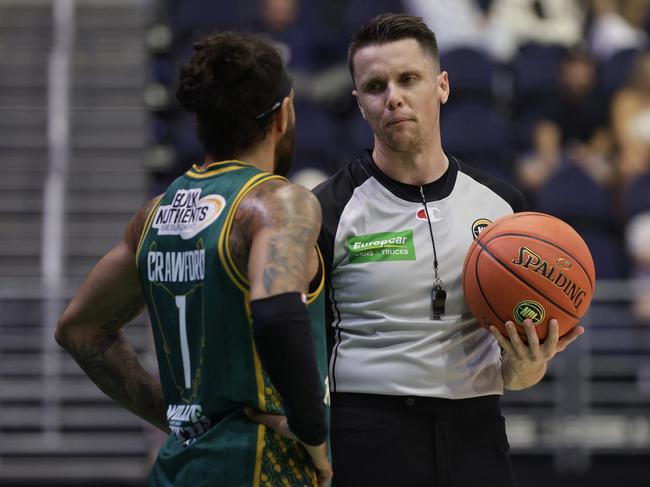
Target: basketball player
223, 260
415, 381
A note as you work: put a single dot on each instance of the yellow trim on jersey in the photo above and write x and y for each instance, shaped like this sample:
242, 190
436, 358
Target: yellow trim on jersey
257, 473
197, 168
224, 238
321, 285
216, 172
145, 230
259, 376
261, 398
216, 168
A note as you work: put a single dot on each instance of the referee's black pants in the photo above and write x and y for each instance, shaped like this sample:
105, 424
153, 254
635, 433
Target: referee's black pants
394, 441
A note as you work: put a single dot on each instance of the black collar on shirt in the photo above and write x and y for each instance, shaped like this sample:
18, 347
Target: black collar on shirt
436, 190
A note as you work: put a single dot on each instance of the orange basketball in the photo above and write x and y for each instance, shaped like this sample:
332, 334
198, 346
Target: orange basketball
529, 265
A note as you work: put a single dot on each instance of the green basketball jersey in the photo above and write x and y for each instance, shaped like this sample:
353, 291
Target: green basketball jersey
199, 307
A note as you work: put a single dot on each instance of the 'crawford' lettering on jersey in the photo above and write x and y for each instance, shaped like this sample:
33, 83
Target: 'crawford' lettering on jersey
528, 259
188, 215
176, 266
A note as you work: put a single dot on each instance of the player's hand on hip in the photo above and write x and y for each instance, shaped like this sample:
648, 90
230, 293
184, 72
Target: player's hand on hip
533, 355
277, 422
320, 458
318, 453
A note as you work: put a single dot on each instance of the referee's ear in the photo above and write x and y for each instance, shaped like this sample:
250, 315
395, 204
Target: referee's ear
355, 93
443, 88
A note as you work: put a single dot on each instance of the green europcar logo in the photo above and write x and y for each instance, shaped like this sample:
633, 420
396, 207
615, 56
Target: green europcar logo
376, 247
529, 309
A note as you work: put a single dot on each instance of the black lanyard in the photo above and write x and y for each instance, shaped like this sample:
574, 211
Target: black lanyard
438, 294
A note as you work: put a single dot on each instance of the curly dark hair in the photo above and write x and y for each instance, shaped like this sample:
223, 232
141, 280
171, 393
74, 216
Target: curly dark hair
230, 80
392, 27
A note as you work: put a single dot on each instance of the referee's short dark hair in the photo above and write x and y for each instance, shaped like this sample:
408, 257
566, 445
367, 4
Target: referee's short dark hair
231, 79
392, 27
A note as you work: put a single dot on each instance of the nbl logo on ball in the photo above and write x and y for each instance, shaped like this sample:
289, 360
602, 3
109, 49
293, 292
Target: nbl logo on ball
479, 225
529, 309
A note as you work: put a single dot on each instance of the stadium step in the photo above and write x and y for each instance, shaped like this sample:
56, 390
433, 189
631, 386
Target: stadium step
82, 470
97, 441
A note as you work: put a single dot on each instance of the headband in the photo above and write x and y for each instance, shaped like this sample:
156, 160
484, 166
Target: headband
284, 88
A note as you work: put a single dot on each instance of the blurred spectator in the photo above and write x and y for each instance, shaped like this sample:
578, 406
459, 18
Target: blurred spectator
315, 58
631, 121
636, 197
638, 243
617, 25
309, 177
457, 23
574, 128
519, 22
500, 26
278, 18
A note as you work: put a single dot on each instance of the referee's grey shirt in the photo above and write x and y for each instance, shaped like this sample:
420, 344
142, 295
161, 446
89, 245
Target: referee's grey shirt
379, 271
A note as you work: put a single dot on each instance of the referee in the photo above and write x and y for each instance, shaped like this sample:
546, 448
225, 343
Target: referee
415, 381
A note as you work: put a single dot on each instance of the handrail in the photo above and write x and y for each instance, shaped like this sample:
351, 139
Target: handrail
52, 255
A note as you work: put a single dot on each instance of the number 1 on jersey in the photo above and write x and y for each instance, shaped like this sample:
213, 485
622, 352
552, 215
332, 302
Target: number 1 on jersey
185, 349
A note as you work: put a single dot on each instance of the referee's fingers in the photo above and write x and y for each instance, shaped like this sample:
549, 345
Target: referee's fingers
516, 341
503, 341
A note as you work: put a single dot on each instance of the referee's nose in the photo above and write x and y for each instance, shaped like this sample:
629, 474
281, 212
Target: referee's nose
394, 96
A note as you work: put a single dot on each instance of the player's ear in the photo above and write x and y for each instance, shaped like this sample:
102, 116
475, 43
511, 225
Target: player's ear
356, 97
284, 115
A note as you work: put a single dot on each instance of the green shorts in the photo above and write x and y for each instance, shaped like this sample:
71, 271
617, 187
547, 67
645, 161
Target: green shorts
235, 452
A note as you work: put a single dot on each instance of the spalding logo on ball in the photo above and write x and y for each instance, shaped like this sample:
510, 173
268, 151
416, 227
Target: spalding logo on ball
528, 266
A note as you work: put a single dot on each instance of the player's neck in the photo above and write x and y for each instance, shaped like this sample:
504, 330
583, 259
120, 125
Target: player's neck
416, 168
261, 155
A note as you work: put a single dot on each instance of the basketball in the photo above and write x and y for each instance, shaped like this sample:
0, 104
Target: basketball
528, 265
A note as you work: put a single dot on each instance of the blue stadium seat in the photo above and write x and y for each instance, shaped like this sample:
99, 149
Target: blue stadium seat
615, 72
184, 139
473, 128
317, 137
535, 70
470, 73
357, 135
188, 16
573, 196
535, 81
477, 133
358, 12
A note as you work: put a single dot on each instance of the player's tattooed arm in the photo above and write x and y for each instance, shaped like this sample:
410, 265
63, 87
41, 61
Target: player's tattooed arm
279, 225
91, 328
274, 238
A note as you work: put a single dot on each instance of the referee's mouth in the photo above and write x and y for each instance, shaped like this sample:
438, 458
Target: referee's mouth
398, 121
